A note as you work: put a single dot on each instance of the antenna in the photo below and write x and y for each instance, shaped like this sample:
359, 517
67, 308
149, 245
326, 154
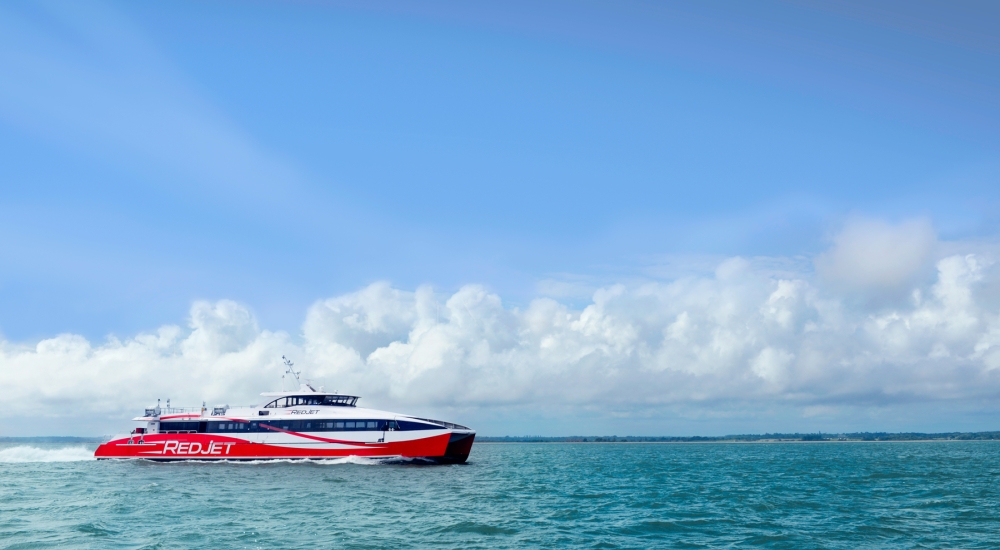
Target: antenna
288, 366
295, 374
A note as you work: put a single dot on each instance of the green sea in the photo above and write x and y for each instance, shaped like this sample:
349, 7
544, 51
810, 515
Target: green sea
517, 495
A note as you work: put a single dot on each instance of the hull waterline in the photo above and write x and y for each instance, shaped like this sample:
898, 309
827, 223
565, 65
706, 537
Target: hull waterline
451, 448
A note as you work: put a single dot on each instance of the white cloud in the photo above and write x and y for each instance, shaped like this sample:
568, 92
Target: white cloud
871, 255
742, 338
220, 355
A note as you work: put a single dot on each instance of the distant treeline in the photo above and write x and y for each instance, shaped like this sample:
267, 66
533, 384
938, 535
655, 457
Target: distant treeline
854, 436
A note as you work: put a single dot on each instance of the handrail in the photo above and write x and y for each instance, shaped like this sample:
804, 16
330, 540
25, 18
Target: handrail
448, 425
202, 411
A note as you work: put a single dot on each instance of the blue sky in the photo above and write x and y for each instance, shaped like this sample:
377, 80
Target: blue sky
279, 154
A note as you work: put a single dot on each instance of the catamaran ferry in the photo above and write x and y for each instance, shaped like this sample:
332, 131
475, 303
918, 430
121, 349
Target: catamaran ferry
302, 424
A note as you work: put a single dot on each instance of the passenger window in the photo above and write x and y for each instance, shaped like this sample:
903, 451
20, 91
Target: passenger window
372, 425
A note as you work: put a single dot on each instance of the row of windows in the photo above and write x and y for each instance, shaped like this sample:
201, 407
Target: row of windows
313, 400
294, 426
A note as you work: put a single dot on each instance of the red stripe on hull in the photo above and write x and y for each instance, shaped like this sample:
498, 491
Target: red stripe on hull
220, 447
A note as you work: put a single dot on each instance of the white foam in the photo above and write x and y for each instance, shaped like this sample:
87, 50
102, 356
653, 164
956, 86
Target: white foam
329, 461
351, 460
25, 453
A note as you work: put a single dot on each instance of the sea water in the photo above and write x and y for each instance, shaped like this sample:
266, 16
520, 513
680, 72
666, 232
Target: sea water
597, 495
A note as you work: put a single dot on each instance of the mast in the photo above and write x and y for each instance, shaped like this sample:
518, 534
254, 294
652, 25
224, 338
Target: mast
288, 370
295, 374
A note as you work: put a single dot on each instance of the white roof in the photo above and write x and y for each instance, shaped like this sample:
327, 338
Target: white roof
303, 389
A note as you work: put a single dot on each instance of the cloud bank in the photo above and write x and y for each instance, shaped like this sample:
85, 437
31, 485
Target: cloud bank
742, 337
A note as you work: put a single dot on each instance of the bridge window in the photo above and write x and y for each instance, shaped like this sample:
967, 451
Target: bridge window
313, 401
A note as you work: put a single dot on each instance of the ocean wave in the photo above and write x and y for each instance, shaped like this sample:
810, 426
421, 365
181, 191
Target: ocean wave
26, 453
323, 461
355, 460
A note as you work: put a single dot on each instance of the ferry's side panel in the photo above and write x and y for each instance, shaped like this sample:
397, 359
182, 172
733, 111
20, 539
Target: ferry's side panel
198, 446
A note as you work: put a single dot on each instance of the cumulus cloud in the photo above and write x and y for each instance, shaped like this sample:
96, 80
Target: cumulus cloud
220, 353
874, 256
741, 336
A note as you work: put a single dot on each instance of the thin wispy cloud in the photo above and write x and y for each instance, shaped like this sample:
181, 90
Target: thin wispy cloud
87, 79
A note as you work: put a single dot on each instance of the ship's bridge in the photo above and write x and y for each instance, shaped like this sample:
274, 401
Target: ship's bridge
316, 399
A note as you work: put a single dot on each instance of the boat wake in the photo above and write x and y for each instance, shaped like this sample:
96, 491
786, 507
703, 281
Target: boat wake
26, 453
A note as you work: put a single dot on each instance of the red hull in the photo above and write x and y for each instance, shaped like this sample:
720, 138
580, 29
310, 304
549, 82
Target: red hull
197, 446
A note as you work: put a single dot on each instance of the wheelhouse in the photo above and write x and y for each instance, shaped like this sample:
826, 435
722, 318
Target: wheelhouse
313, 400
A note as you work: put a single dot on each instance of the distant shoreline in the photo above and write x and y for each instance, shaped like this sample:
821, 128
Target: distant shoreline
52, 439
861, 437
493, 441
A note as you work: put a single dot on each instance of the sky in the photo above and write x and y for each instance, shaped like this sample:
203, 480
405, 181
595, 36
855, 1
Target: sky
558, 218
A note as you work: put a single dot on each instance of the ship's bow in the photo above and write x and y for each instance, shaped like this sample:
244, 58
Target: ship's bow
459, 447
